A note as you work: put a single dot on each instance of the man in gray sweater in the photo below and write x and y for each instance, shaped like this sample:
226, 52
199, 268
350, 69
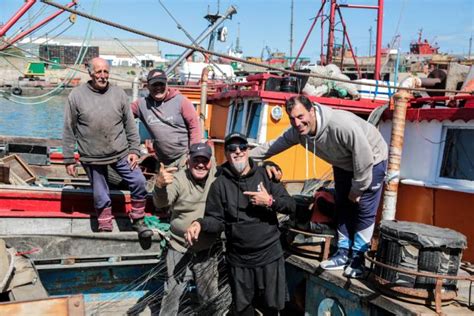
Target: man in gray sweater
186, 192
98, 117
358, 154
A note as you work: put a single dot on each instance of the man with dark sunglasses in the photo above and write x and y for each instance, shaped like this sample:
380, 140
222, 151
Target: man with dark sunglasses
185, 192
170, 119
243, 202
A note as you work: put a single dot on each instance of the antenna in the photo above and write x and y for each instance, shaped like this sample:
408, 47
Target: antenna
470, 46
237, 41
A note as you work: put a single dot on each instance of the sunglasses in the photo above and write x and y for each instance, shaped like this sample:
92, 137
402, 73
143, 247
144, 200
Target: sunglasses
233, 147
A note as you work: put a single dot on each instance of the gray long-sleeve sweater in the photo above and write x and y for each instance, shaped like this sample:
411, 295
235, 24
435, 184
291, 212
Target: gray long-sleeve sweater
101, 123
342, 139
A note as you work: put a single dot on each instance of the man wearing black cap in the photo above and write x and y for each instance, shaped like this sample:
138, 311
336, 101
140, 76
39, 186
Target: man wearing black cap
169, 117
186, 192
243, 203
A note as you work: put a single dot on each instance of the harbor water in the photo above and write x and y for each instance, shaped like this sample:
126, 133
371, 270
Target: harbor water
32, 120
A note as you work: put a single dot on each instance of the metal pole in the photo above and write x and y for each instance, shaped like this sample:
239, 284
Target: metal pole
203, 105
321, 57
343, 46
470, 46
307, 35
397, 64
332, 22
135, 85
378, 42
25, 7
354, 54
395, 155
35, 27
370, 41
291, 29
230, 11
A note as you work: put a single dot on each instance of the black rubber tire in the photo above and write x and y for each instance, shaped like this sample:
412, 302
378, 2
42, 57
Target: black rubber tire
17, 91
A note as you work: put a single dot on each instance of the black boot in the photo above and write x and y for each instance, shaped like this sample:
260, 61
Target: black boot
140, 227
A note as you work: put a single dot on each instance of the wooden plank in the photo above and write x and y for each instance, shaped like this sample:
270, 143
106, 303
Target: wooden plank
19, 169
68, 305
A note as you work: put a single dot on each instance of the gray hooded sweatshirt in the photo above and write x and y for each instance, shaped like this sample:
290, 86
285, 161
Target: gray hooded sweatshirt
342, 139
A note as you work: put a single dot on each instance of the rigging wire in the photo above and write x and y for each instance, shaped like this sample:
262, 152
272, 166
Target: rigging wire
28, 21
68, 77
205, 51
50, 62
193, 42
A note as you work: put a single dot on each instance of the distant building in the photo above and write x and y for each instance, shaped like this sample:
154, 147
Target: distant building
145, 61
127, 50
67, 54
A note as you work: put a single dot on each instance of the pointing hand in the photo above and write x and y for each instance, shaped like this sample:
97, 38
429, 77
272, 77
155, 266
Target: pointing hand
261, 197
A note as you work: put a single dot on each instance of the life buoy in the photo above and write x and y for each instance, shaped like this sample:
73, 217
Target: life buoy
17, 91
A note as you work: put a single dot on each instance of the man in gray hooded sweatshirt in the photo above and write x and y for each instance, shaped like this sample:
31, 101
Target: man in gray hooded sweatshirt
98, 117
358, 154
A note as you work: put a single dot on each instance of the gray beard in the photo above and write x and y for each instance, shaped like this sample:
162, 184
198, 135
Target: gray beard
239, 166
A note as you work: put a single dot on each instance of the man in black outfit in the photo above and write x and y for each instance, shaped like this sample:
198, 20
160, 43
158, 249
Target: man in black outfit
244, 203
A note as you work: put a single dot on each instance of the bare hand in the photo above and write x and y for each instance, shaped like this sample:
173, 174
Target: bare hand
260, 198
192, 233
71, 170
273, 172
132, 161
353, 198
165, 176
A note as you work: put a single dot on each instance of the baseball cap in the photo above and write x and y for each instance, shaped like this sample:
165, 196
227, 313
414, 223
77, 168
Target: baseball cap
156, 75
233, 136
200, 150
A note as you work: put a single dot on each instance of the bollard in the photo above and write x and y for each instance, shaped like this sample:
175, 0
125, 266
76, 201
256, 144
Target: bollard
395, 155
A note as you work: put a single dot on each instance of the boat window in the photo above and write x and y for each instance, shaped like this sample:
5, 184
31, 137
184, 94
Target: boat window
237, 118
253, 120
458, 155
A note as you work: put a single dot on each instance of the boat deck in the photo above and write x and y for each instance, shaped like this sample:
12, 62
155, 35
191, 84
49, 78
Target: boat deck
361, 297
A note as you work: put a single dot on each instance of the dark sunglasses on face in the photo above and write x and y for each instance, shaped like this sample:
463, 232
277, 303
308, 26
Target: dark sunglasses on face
233, 147
158, 85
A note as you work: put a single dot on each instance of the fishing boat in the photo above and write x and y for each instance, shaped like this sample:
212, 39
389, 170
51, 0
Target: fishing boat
436, 183
432, 188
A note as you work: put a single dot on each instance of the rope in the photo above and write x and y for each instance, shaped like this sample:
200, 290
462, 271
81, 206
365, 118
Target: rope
50, 62
205, 51
69, 76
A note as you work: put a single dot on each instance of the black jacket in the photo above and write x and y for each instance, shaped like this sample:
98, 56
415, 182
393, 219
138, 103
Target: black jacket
251, 231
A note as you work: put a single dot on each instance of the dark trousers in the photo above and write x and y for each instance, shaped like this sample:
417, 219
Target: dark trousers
98, 177
253, 285
202, 267
355, 221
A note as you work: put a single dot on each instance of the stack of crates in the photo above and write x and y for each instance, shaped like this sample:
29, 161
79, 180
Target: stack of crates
66, 54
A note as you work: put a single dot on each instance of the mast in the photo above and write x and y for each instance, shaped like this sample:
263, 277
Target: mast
378, 42
332, 23
370, 41
470, 46
291, 29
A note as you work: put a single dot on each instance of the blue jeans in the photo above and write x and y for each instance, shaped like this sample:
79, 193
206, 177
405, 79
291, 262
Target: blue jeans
98, 178
355, 221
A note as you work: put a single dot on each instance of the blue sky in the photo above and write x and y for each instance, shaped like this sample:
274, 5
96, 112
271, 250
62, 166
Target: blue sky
267, 22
